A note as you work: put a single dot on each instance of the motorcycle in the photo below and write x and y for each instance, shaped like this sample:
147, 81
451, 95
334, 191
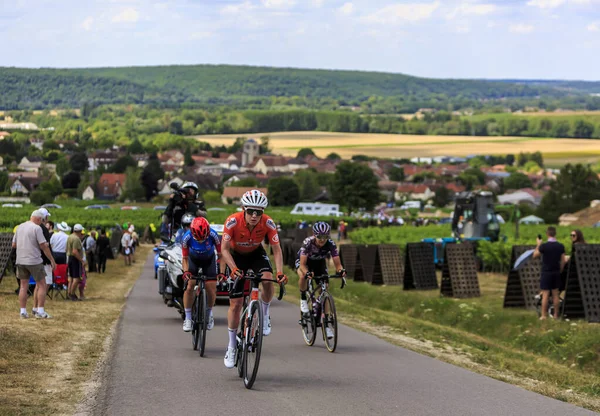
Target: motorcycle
170, 278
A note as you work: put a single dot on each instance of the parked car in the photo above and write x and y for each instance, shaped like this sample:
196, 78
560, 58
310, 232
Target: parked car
94, 207
128, 207
160, 208
55, 206
10, 205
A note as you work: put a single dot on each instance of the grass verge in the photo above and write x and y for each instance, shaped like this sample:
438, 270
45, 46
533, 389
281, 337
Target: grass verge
559, 359
45, 364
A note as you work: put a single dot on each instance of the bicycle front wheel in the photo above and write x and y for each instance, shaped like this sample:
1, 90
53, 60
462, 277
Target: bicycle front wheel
309, 327
239, 354
195, 320
202, 323
329, 323
253, 344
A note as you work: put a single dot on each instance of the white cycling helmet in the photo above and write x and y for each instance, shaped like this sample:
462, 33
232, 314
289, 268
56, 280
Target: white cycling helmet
255, 199
187, 219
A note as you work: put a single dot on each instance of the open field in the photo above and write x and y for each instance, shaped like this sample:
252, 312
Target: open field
46, 365
408, 146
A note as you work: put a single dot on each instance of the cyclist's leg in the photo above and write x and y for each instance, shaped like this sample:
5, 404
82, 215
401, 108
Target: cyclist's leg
262, 264
236, 300
210, 271
188, 296
302, 284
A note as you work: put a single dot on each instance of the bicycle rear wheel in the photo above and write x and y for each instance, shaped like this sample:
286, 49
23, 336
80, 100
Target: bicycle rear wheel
309, 327
202, 322
240, 346
195, 320
329, 320
253, 344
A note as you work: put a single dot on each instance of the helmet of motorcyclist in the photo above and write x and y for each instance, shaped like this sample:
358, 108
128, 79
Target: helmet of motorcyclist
186, 220
254, 199
200, 229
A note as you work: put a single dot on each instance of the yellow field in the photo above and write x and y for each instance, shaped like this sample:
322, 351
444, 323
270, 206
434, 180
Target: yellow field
408, 146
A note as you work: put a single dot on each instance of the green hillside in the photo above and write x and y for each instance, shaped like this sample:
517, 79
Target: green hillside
253, 86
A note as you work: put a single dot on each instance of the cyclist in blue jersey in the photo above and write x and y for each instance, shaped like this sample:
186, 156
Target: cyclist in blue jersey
200, 248
186, 222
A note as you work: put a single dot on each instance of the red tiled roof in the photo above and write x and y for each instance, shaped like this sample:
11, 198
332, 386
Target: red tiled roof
109, 183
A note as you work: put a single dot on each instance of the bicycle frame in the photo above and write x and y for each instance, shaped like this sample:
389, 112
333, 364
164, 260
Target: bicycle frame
323, 282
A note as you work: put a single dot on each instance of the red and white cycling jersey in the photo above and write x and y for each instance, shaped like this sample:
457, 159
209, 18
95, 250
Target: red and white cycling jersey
245, 241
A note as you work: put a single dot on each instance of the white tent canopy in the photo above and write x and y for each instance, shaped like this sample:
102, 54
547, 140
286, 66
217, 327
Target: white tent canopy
531, 219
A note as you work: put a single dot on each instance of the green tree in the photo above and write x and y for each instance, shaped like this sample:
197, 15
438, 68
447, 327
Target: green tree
283, 191
135, 148
3, 179
38, 197
531, 167
333, 156
308, 183
264, 145
62, 166
510, 159
79, 162
517, 180
582, 129
83, 184
52, 186
71, 180
442, 197
122, 163
132, 188
396, 173
306, 151
471, 177
187, 157
150, 176
212, 197
355, 186
575, 187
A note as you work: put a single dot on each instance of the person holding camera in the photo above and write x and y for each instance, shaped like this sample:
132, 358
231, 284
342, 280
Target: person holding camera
182, 201
553, 262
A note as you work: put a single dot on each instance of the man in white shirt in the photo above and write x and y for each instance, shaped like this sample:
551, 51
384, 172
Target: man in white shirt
126, 243
58, 242
30, 242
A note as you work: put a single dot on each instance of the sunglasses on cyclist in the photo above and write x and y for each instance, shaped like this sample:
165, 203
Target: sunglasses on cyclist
252, 211
322, 237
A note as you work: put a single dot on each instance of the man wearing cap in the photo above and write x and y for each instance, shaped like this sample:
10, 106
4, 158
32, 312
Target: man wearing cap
58, 242
126, 244
30, 242
74, 260
45, 260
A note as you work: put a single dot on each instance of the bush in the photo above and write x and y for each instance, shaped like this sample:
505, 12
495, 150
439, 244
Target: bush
40, 197
212, 197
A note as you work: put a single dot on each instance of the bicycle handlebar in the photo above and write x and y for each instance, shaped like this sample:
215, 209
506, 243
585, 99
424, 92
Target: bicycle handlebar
257, 278
327, 276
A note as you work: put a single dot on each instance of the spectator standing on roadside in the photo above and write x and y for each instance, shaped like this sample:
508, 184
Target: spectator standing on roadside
30, 242
553, 262
103, 244
45, 260
50, 227
135, 241
75, 259
90, 251
58, 242
126, 246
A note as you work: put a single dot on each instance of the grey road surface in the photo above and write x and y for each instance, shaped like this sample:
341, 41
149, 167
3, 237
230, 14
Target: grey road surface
154, 371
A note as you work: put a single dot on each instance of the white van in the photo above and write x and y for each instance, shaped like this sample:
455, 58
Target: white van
317, 208
411, 204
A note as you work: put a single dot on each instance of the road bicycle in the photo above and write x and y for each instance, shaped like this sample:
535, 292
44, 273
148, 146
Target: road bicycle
199, 313
250, 329
322, 311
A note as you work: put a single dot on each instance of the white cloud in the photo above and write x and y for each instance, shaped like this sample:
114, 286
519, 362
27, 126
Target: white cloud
396, 13
594, 27
278, 4
317, 3
552, 4
128, 15
520, 28
462, 29
238, 8
347, 8
201, 35
87, 23
472, 9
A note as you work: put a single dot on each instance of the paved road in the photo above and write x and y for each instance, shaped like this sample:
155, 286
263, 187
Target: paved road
154, 371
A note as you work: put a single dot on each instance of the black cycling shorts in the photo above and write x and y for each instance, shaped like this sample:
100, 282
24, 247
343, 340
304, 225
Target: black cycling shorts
317, 267
258, 261
205, 265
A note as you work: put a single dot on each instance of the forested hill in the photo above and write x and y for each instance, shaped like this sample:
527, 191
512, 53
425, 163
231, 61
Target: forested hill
243, 85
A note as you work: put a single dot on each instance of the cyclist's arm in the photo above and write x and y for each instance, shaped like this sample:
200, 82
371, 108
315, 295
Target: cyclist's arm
338, 263
226, 257
303, 269
185, 262
277, 254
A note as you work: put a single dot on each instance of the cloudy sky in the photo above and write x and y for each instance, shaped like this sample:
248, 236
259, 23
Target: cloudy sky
547, 39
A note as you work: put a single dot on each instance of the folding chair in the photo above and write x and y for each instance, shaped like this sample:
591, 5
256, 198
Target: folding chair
59, 281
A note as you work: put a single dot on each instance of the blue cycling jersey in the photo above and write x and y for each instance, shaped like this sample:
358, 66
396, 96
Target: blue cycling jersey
179, 236
204, 249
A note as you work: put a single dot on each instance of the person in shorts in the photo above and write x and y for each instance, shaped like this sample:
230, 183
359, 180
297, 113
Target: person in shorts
126, 243
553, 262
75, 260
45, 260
29, 242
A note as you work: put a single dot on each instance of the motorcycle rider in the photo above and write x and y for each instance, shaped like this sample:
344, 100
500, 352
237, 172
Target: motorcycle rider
200, 248
182, 201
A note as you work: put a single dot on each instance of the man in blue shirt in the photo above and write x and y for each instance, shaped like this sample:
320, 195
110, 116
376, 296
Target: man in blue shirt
553, 262
200, 247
